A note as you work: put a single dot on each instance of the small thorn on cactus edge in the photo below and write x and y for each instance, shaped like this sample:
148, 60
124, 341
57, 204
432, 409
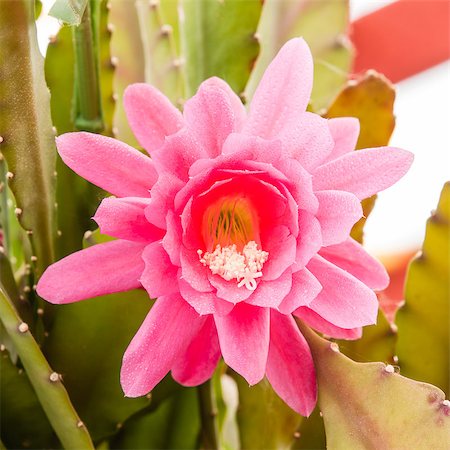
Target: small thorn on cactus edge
166, 30
1, 139
394, 328
54, 377
389, 369
80, 424
29, 232
114, 61
395, 359
2, 249
46, 334
178, 62
27, 289
153, 3
59, 233
297, 435
110, 27
52, 39
115, 131
23, 327
33, 258
149, 396
9, 175
115, 97
40, 311
2, 348
257, 37
18, 211
119, 425
334, 347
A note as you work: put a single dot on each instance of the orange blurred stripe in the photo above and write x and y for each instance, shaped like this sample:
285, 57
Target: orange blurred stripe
403, 38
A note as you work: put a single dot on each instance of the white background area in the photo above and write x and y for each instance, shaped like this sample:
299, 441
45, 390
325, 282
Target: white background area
422, 109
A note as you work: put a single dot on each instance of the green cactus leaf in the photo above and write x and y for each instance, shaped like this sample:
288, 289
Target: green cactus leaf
368, 405
423, 331
264, 420
128, 52
371, 100
69, 11
86, 343
26, 128
218, 39
175, 423
323, 24
163, 68
23, 423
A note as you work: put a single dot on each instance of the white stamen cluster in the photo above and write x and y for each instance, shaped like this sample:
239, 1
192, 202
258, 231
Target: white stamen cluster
231, 264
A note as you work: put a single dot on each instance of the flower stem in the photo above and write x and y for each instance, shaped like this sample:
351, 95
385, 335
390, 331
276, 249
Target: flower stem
47, 383
88, 107
208, 413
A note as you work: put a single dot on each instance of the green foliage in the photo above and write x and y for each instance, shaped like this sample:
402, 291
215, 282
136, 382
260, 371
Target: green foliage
85, 343
26, 129
423, 322
23, 422
218, 39
69, 11
370, 406
163, 68
371, 100
264, 420
323, 24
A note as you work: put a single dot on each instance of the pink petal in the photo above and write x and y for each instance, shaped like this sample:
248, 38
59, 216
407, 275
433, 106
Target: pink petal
162, 193
290, 367
199, 361
114, 266
124, 218
244, 340
271, 293
178, 153
338, 212
305, 288
309, 240
172, 239
204, 302
228, 290
344, 300
364, 172
151, 115
160, 275
345, 132
166, 333
253, 148
193, 271
281, 245
283, 93
308, 140
108, 163
351, 256
323, 326
213, 113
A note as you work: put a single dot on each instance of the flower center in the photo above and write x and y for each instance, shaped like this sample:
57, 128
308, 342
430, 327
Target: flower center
230, 230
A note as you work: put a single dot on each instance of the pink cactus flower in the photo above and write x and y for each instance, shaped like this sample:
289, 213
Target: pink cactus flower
238, 222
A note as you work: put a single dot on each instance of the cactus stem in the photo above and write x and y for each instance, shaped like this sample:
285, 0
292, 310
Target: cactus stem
208, 413
53, 396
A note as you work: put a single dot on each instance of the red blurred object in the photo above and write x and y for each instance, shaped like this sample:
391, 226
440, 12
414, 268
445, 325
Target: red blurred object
393, 296
403, 38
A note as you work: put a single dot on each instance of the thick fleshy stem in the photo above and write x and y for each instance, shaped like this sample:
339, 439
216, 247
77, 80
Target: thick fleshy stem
88, 106
48, 386
208, 414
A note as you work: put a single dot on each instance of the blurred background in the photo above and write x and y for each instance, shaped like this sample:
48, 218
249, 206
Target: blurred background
422, 107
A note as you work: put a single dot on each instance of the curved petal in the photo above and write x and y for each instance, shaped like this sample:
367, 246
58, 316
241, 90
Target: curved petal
364, 172
338, 212
344, 300
283, 93
309, 240
290, 367
244, 340
305, 288
253, 148
351, 256
228, 290
151, 115
160, 276
108, 163
271, 293
198, 363
114, 266
307, 140
213, 113
345, 133
204, 302
166, 333
124, 218
172, 239
323, 326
